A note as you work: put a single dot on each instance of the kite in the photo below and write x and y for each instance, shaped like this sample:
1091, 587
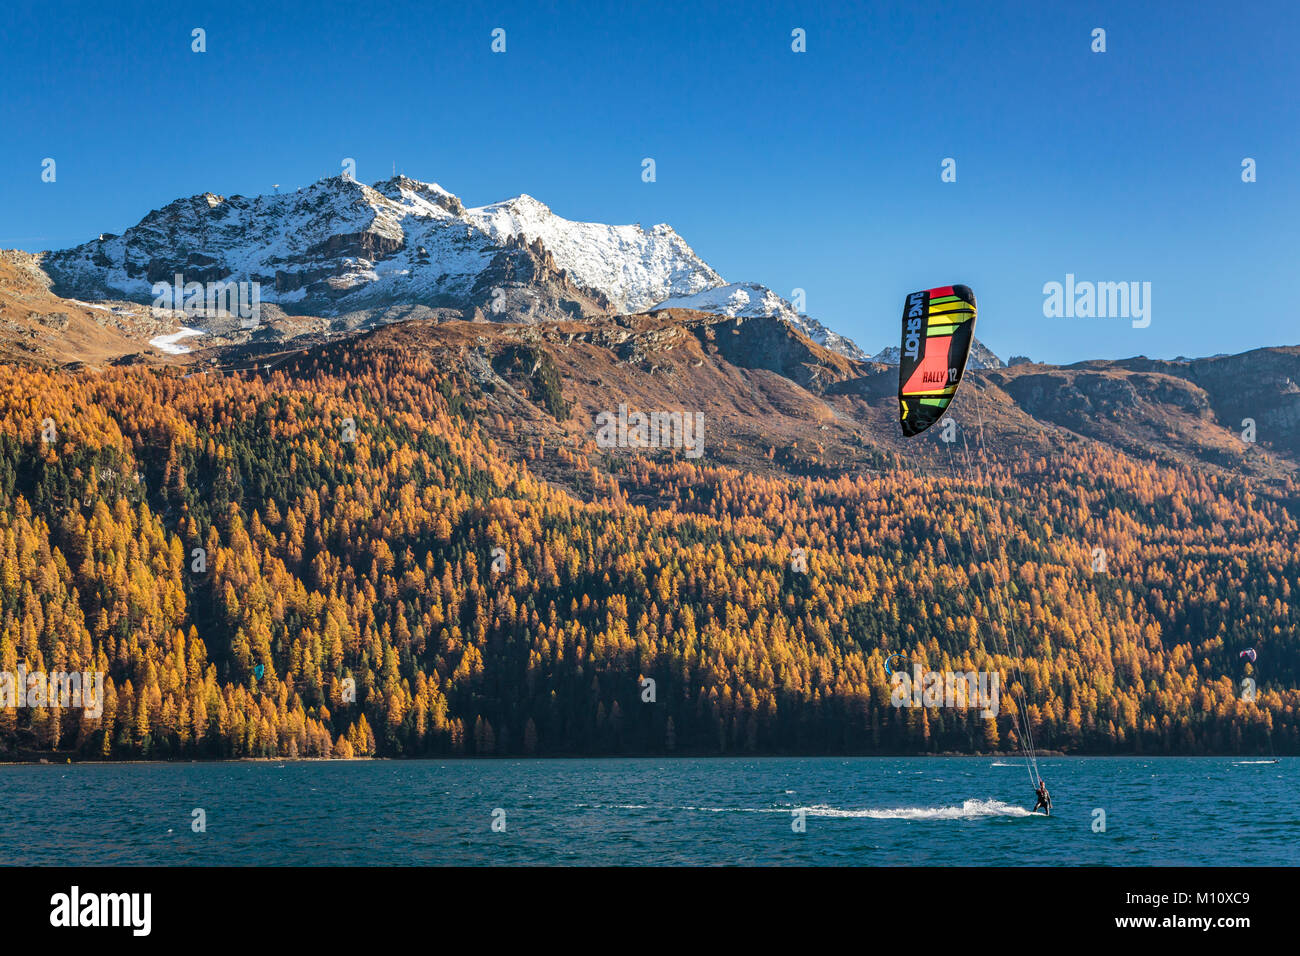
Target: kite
938, 328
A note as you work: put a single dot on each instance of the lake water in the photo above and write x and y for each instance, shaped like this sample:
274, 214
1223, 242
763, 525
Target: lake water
859, 812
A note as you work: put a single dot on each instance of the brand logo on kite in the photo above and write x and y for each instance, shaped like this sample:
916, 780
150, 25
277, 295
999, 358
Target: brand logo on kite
915, 313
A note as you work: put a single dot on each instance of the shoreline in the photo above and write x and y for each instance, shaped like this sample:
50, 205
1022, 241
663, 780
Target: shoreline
1011, 760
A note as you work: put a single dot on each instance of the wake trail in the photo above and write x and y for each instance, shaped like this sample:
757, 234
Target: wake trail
969, 810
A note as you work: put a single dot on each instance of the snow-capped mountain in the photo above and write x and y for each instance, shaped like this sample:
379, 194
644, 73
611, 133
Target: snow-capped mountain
981, 356
339, 246
633, 267
750, 300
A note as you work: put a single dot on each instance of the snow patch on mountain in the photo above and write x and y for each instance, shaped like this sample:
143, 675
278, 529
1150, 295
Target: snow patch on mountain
168, 343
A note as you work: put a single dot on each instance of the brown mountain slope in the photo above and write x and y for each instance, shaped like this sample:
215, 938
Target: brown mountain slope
1174, 412
757, 383
37, 326
774, 401
1262, 385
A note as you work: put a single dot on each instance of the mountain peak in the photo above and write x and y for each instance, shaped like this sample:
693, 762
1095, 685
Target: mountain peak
633, 267
402, 183
338, 246
526, 201
403, 189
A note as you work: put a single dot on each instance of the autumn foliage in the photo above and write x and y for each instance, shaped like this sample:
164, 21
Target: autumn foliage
181, 532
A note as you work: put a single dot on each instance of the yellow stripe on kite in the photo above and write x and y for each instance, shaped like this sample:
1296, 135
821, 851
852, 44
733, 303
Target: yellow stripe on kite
945, 391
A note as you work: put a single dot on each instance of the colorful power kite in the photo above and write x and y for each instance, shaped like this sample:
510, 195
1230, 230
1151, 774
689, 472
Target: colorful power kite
1249, 654
938, 328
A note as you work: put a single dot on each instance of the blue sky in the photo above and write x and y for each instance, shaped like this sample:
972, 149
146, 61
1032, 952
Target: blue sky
818, 170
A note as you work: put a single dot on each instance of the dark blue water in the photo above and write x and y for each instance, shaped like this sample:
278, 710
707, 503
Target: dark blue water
860, 811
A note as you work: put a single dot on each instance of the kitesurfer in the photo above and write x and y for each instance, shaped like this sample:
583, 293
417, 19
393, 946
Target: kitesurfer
1044, 798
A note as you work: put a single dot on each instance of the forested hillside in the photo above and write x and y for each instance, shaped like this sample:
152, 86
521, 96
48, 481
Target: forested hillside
336, 518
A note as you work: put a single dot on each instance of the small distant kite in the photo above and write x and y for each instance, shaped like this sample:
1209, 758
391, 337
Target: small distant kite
1249, 654
890, 660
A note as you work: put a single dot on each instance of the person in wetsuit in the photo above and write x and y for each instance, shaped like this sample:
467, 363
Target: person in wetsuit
1044, 798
